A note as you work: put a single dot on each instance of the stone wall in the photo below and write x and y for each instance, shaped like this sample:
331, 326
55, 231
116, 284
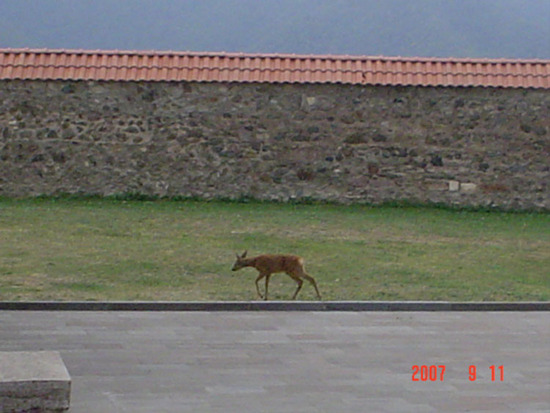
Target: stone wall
458, 146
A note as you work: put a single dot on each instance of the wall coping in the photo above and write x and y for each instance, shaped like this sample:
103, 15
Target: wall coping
154, 66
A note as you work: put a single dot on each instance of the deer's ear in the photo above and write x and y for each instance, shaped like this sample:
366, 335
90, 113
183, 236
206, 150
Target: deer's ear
244, 254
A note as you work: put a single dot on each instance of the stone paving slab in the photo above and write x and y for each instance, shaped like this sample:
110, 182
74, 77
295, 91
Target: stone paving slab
293, 361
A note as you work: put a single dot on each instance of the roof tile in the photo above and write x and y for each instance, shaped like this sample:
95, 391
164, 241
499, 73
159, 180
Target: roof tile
44, 64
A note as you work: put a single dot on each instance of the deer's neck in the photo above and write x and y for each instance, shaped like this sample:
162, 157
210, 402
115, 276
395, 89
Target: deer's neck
249, 262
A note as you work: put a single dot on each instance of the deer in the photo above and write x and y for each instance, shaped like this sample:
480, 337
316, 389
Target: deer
269, 264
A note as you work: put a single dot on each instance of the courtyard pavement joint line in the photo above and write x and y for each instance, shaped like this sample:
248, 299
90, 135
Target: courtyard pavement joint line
272, 306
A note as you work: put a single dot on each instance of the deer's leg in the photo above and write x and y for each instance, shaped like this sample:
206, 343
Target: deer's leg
312, 282
266, 285
260, 276
299, 281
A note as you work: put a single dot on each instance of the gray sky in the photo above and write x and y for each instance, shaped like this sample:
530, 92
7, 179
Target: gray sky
458, 28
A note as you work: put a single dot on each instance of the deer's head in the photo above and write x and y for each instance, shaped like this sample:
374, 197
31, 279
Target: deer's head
240, 263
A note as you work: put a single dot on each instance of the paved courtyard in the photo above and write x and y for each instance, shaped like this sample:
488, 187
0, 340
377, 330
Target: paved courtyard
294, 361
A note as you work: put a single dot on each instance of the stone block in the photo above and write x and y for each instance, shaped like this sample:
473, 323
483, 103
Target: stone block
436, 185
33, 381
454, 186
468, 188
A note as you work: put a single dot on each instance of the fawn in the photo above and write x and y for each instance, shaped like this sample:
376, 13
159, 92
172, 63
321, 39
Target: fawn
270, 264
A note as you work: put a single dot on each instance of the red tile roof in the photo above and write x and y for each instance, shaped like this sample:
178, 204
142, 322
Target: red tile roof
43, 64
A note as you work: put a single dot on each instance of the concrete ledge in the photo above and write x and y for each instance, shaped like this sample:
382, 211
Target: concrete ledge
273, 306
33, 381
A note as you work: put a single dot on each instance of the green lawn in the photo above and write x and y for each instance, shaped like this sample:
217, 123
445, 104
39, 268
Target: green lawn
93, 249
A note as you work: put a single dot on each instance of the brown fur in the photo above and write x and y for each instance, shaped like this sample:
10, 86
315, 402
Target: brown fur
269, 264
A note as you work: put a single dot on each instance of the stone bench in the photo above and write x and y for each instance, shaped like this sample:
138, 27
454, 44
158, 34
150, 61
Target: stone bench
33, 381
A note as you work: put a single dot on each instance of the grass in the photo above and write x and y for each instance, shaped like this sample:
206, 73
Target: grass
109, 249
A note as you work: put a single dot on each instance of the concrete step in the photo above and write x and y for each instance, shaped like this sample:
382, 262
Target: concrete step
33, 381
